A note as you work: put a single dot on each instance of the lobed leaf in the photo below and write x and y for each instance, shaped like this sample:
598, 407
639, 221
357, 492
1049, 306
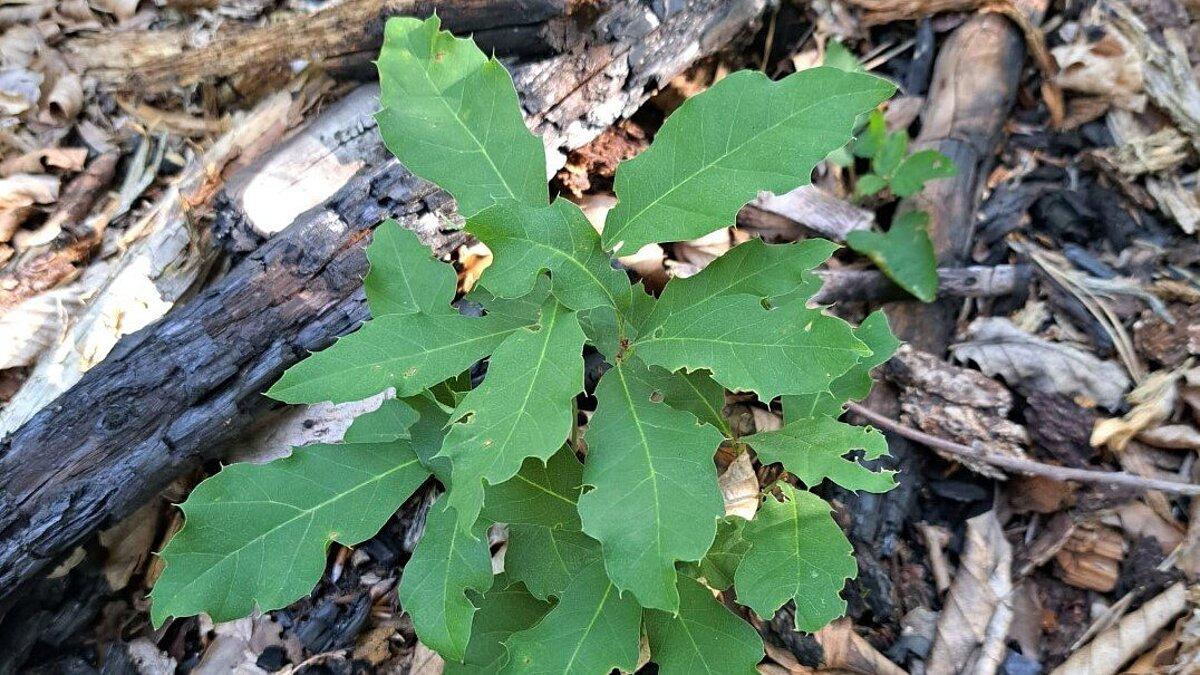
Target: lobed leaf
814, 448
451, 115
797, 552
524, 408
729, 547
255, 535
787, 350
904, 253
389, 422
448, 561
655, 499
526, 240
404, 277
546, 547
856, 383
704, 637
592, 629
765, 271
506, 609
410, 352
920, 168
721, 148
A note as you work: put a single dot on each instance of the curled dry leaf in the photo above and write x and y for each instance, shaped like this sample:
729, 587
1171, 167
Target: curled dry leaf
1172, 437
739, 488
1031, 363
977, 613
1111, 649
1153, 401
846, 651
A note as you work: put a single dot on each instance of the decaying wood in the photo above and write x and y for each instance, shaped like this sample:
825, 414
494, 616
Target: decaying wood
165, 254
346, 33
958, 282
167, 396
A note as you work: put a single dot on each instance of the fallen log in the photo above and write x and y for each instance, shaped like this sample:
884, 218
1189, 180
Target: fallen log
340, 37
166, 397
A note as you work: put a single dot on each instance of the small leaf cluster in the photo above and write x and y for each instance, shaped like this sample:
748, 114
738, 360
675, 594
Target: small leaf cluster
904, 253
629, 542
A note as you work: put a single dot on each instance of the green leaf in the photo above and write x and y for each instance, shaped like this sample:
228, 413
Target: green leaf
838, 56
540, 494
856, 383
721, 148
905, 254
405, 277
407, 351
890, 153
428, 433
448, 561
525, 240
787, 350
704, 637
755, 268
814, 449
506, 609
389, 422
545, 545
797, 552
655, 499
451, 115
592, 629
255, 535
696, 393
524, 408
869, 184
725, 554
546, 559
867, 145
918, 169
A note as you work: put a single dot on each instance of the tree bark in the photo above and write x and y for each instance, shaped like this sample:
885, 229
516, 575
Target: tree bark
167, 396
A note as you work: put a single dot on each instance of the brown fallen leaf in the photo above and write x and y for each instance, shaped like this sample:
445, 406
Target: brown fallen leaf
977, 612
41, 161
847, 651
739, 488
1031, 363
1172, 437
1137, 519
128, 544
1111, 649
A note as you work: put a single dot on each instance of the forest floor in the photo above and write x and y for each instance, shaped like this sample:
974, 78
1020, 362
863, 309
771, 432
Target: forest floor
1030, 413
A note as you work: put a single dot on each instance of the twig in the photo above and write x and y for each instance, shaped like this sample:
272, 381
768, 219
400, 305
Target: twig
1026, 466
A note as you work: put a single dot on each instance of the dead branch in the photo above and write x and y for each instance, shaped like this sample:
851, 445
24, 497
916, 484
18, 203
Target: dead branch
1025, 466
